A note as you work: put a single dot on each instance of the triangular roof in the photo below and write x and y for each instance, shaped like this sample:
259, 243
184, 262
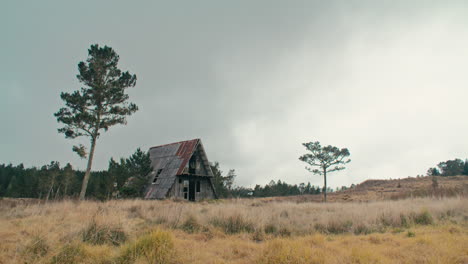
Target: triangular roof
172, 159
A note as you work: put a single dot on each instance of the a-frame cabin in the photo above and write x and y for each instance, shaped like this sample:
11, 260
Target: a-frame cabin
180, 170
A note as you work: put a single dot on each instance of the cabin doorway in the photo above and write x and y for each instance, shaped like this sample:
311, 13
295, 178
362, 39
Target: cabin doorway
191, 190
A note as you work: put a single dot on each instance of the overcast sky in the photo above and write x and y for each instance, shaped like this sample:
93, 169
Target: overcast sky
252, 79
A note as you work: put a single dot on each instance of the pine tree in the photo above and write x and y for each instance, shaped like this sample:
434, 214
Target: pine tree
327, 158
97, 106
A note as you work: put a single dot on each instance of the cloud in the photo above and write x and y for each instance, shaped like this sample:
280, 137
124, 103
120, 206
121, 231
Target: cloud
254, 80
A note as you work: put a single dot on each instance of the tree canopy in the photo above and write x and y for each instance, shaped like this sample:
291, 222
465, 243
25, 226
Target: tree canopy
326, 158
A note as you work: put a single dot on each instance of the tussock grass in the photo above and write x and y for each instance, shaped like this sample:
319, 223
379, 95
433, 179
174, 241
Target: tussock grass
155, 247
70, 253
235, 231
36, 248
98, 234
191, 225
233, 224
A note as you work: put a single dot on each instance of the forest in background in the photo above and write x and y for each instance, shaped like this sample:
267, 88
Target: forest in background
126, 178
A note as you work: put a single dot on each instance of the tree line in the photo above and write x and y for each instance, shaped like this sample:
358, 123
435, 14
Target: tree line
125, 178
449, 168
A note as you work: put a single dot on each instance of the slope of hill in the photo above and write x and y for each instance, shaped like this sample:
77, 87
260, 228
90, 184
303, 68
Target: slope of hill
377, 190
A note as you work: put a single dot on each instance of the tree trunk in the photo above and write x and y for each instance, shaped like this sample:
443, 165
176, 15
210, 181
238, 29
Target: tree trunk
325, 188
66, 190
84, 186
57, 192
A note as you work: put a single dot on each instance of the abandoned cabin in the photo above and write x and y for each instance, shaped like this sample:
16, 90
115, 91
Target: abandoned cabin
180, 170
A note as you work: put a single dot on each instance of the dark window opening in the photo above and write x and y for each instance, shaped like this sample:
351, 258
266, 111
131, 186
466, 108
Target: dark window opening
180, 180
157, 175
198, 186
185, 189
192, 164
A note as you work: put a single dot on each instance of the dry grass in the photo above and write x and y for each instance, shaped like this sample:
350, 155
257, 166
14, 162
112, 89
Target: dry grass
419, 230
380, 190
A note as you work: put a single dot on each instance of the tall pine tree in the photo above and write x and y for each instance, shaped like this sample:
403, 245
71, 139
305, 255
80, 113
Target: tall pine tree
97, 106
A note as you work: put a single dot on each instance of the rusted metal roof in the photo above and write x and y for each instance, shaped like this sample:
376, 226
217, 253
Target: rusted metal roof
182, 150
170, 160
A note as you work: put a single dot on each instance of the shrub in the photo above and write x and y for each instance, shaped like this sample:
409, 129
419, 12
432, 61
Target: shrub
423, 218
284, 231
271, 229
233, 224
258, 235
97, 234
410, 234
404, 221
155, 247
335, 227
362, 229
319, 227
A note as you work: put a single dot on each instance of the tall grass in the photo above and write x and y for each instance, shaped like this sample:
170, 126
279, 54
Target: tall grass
242, 231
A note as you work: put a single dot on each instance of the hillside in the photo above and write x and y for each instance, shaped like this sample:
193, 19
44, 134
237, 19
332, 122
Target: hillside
377, 190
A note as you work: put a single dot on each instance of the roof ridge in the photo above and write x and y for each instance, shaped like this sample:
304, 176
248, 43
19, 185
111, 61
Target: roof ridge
175, 143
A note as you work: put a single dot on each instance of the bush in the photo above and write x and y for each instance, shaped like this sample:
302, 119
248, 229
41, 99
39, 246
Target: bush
423, 218
155, 247
404, 221
362, 229
103, 234
335, 227
271, 229
233, 224
258, 235
284, 231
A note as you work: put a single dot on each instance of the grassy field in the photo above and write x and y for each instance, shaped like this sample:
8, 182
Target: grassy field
419, 230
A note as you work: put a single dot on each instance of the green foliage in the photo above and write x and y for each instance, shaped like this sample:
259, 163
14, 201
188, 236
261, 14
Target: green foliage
451, 167
80, 151
281, 188
326, 158
53, 182
102, 102
465, 168
222, 184
433, 172
271, 228
130, 175
97, 106
423, 218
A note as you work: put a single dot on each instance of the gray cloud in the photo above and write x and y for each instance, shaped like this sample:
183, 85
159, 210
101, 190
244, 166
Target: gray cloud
253, 79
